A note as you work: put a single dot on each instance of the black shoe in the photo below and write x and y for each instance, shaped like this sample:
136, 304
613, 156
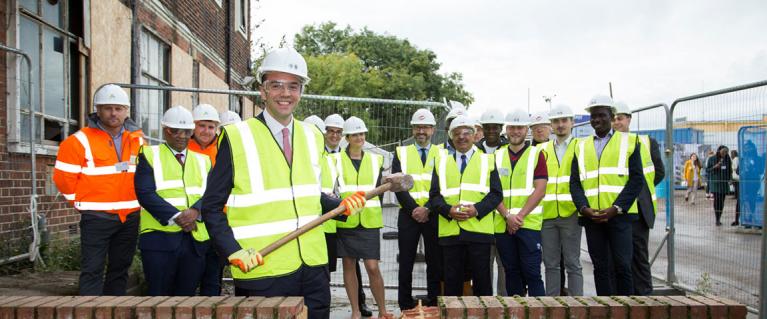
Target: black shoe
365, 311
735, 223
718, 223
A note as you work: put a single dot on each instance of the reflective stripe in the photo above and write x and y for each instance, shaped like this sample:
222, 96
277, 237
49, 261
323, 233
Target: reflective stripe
558, 180
374, 172
327, 190
196, 190
159, 179
69, 168
443, 181
177, 201
582, 161
450, 192
484, 165
313, 154
203, 169
614, 170
537, 210
604, 189
106, 205
475, 187
87, 146
419, 195
649, 169
402, 154
68, 196
272, 195
269, 229
106, 170
355, 188
373, 203
420, 177
254, 163
560, 197
531, 158
517, 192
623, 153
591, 192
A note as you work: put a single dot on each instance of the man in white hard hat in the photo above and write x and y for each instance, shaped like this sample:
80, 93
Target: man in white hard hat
654, 171
415, 220
465, 190
540, 127
455, 112
608, 168
334, 131
523, 175
206, 123
317, 121
480, 134
170, 180
561, 234
94, 171
265, 175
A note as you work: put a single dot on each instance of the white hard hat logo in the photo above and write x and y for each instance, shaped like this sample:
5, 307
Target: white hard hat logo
422, 117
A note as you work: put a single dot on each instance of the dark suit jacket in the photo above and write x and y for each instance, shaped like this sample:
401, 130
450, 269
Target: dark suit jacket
644, 200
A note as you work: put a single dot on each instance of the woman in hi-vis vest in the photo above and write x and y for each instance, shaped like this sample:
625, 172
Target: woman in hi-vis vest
359, 236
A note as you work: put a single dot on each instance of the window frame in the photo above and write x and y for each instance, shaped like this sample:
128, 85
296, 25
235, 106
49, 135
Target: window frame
146, 75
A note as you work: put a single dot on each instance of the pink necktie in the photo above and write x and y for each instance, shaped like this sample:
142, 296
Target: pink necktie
286, 145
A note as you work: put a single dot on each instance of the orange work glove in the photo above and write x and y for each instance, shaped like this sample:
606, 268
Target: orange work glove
354, 203
246, 259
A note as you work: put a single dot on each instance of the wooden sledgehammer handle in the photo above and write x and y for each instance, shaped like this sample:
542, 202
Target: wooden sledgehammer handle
314, 223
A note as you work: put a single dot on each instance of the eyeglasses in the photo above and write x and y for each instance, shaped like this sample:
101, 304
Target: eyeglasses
292, 87
179, 131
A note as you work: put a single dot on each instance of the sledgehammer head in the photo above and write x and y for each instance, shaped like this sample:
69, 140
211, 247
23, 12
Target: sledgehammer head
399, 182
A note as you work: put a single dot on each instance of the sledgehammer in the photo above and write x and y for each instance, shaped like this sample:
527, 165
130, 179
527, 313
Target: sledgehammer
395, 183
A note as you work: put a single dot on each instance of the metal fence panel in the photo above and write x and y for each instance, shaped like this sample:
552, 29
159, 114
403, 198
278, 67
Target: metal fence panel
752, 140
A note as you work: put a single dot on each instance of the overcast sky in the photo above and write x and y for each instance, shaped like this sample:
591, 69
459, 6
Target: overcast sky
652, 51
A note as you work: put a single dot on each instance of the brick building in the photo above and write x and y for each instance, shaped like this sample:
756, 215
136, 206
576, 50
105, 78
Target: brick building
78, 45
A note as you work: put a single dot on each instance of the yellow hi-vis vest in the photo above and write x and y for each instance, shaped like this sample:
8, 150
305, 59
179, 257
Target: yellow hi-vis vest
328, 182
558, 201
604, 178
649, 172
271, 199
351, 181
467, 188
517, 185
180, 186
410, 161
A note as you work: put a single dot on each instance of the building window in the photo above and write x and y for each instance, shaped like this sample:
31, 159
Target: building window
155, 55
241, 10
50, 32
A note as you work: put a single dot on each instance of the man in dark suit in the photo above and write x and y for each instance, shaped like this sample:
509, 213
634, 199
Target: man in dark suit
640, 264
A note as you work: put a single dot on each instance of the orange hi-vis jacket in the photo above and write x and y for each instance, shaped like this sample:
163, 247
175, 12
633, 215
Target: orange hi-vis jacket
211, 150
89, 174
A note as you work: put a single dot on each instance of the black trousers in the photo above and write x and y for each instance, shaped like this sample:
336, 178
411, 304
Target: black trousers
331, 241
610, 244
409, 233
104, 240
640, 262
718, 205
210, 285
312, 283
474, 255
173, 272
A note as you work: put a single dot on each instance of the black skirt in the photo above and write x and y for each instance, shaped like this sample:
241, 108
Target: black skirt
361, 243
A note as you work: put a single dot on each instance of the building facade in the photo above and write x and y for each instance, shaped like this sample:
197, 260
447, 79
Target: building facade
75, 47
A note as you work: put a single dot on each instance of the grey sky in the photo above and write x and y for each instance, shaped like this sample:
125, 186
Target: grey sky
652, 51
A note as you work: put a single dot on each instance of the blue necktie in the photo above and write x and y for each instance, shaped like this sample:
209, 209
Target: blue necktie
463, 162
423, 156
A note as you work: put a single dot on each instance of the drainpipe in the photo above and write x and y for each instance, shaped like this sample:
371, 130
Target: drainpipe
34, 247
135, 70
228, 35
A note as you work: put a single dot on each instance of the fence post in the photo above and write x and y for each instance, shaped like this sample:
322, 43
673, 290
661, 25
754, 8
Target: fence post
670, 270
763, 286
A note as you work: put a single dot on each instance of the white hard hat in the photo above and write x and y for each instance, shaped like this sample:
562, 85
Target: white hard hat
493, 116
229, 117
455, 112
457, 105
559, 111
354, 125
178, 117
622, 108
334, 120
600, 100
286, 60
539, 118
111, 94
317, 121
518, 118
476, 122
205, 112
423, 117
460, 121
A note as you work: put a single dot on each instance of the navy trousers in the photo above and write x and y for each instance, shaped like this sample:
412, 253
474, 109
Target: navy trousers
521, 257
611, 244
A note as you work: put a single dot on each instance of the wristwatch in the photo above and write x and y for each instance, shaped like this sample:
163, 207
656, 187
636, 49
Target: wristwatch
619, 209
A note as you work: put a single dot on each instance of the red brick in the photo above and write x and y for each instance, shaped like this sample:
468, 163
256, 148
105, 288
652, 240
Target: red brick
575, 309
205, 309
657, 310
553, 307
291, 307
734, 309
454, 308
596, 309
716, 309
225, 309
636, 309
617, 309
247, 308
86, 310
185, 310
7, 299
676, 309
145, 310
165, 309
8, 309
697, 310
267, 309
535, 308
127, 308
474, 308
493, 306
48, 310
66, 310
27, 311
514, 308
